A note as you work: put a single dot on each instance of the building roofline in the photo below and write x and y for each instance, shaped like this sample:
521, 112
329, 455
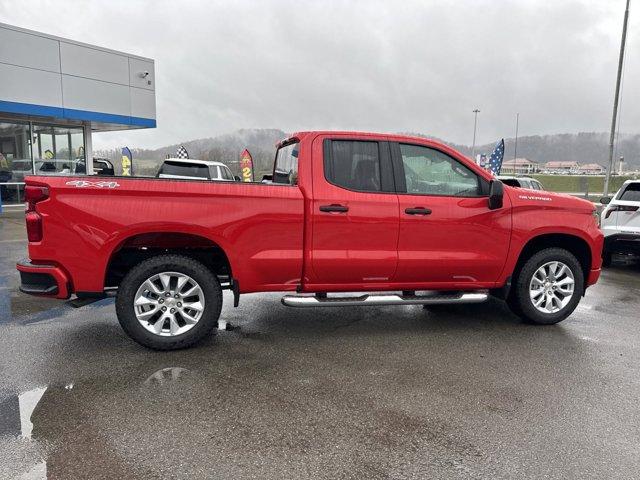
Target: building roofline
73, 42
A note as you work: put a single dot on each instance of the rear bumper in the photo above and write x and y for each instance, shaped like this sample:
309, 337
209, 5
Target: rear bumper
43, 280
594, 275
622, 243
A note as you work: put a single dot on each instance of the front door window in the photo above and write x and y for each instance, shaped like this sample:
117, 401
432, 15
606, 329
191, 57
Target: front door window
431, 172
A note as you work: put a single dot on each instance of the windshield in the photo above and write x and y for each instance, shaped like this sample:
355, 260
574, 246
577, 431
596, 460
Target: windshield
286, 166
181, 169
631, 193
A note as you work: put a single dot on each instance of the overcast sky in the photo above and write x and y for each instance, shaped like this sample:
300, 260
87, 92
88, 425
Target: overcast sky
382, 66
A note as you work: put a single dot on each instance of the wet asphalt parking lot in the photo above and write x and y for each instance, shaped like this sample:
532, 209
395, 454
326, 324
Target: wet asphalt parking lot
393, 392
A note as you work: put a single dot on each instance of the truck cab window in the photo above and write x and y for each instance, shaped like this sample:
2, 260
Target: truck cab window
285, 170
431, 172
354, 165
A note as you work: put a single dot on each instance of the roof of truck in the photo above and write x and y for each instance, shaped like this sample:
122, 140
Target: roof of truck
346, 133
209, 163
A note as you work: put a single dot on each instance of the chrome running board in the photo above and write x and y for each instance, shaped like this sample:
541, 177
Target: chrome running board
303, 301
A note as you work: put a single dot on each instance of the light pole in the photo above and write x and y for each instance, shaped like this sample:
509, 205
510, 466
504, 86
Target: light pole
475, 124
615, 100
515, 150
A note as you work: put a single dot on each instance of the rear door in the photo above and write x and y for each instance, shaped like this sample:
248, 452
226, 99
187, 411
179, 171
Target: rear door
354, 211
447, 234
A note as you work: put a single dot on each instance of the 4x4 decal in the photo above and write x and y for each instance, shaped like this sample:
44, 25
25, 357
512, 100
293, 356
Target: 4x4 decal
87, 183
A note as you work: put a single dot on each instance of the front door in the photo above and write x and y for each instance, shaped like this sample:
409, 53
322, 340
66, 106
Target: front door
447, 232
354, 212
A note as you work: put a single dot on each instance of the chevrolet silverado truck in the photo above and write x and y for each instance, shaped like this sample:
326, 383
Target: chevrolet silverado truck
347, 219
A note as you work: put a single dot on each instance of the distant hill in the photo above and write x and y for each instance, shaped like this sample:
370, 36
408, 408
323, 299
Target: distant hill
583, 148
223, 148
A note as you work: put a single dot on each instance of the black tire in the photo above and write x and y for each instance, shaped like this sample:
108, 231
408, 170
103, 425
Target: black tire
169, 263
512, 303
607, 258
520, 300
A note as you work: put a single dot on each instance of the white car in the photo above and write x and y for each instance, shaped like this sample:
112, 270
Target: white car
620, 221
521, 182
192, 169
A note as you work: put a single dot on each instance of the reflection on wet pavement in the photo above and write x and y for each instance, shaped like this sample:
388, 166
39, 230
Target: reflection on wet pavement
393, 392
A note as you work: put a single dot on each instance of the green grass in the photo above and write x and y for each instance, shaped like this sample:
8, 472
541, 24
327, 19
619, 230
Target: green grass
580, 183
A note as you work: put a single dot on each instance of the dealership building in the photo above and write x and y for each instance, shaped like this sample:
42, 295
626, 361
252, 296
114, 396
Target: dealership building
54, 93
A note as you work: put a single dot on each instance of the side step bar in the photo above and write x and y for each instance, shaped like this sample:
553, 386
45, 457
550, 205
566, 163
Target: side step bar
303, 301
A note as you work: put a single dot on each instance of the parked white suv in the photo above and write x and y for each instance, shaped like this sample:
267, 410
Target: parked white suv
620, 221
191, 169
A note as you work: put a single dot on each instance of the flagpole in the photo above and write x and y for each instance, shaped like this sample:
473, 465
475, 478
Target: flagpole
475, 124
615, 100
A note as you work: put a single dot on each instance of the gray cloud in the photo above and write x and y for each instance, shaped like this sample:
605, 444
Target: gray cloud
362, 65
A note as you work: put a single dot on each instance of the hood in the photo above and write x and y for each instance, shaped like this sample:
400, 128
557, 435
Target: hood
544, 199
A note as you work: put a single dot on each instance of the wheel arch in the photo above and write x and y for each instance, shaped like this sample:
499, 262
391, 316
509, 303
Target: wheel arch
574, 244
138, 247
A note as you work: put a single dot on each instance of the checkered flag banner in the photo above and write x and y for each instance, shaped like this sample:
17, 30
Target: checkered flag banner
182, 152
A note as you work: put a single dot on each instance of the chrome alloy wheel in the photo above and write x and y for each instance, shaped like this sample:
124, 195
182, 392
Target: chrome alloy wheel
169, 303
551, 287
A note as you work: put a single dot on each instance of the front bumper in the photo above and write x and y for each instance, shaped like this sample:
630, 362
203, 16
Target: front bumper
43, 280
622, 243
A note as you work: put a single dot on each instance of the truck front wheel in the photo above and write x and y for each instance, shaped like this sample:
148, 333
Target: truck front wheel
548, 288
169, 302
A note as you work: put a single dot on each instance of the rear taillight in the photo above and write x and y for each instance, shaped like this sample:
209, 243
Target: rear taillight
620, 208
34, 226
34, 194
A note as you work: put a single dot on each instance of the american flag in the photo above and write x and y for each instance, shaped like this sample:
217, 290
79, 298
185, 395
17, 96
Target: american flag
495, 161
182, 152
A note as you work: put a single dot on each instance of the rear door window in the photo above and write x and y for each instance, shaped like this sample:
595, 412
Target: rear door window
358, 165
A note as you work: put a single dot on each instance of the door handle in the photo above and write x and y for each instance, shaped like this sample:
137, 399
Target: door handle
418, 211
334, 207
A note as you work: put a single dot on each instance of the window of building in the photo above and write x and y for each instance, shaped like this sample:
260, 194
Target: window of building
58, 150
431, 172
354, 165
15, 160
27, 148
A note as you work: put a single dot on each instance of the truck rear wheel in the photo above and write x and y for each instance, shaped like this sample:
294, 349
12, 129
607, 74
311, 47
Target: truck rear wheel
548, 288
169, 302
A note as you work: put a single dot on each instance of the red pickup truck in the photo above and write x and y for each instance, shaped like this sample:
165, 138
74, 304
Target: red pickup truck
391, 219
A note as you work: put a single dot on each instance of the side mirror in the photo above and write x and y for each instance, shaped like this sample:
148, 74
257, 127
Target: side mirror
237, 178
605, 200
496, 192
